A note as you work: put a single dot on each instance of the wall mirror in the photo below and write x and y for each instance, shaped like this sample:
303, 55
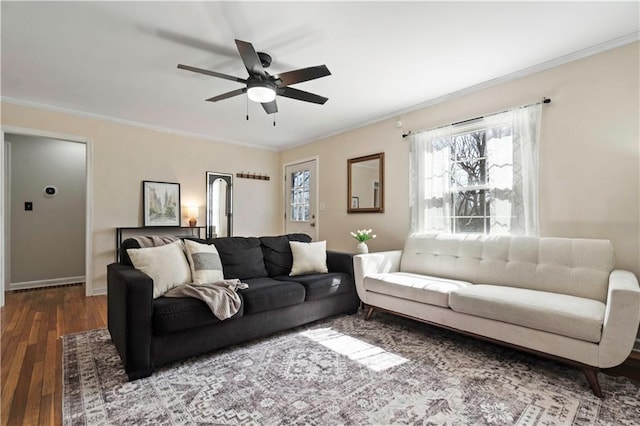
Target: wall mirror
366, 184
219, 205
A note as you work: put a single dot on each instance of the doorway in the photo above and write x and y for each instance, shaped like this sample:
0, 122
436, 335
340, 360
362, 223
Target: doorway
301, 197
45, 210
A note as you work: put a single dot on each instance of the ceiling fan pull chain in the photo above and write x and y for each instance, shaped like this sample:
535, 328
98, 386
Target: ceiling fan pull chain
247, 108
274, 120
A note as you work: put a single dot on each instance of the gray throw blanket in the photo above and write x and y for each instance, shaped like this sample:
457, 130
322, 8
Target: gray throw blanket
155, 240
221, 297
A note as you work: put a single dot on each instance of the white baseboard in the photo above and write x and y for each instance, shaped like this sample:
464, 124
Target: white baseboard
46, 283
100, 291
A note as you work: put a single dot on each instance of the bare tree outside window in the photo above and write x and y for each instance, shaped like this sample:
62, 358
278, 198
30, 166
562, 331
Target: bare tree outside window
471, 188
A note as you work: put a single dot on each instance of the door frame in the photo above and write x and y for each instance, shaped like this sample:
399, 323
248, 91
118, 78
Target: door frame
316, 189
4, 216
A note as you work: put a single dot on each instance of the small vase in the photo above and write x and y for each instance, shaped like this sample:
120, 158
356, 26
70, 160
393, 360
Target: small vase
362, 248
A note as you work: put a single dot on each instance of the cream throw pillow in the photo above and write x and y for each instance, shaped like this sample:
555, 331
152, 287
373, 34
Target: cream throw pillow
308, 258
205, 263
166, 265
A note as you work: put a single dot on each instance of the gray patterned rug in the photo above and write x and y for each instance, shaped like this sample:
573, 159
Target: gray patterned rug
344, 370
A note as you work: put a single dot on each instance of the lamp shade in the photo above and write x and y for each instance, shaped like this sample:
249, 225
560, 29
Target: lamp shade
192, 212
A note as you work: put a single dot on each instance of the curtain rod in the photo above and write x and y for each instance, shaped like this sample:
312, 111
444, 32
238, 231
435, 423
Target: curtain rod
543, 101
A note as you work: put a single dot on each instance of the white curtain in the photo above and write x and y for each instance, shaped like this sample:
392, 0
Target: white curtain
526, 138
512, 173
430, 180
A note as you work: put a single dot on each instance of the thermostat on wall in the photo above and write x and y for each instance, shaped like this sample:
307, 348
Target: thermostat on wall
50, 191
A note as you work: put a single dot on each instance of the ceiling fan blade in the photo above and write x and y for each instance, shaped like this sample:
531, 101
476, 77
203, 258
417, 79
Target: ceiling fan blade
227, 95
212, 73
250, 58
270, 107
301, 95
303, 74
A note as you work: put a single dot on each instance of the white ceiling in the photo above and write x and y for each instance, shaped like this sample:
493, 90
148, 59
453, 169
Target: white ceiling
118, 59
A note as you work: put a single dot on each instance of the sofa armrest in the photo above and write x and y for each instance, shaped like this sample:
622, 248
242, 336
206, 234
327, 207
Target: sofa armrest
621, 319
374, 263
129, 317
338, 261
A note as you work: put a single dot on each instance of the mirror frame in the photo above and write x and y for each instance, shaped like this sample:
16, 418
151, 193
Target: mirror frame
380, 157
228, 178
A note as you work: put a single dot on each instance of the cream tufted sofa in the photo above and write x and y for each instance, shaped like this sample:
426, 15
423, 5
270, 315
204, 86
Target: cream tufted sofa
556, 297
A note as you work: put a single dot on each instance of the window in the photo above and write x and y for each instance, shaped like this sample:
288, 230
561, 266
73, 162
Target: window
300, 196
477, 174
479, 177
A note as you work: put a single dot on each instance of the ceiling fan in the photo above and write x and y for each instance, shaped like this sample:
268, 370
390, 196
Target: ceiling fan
263, 87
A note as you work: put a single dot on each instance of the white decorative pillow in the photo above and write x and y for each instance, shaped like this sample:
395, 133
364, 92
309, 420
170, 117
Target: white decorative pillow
308, 258
205, 263
166, 265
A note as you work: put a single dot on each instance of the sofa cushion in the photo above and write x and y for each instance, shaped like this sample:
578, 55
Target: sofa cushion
277, 253
182, 313
265, 294
204, 261
241, 257
308, 258
318, 286
421, 288
561, 314
166, 265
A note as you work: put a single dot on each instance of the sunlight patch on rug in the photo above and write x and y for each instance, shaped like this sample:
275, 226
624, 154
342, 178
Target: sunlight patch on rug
373, 357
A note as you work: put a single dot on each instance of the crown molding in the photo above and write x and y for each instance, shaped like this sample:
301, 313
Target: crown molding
116, 120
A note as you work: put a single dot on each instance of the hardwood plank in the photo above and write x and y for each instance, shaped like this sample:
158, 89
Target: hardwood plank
34, 331
47, 411
10, 385
50, 365
32, 410
19, 404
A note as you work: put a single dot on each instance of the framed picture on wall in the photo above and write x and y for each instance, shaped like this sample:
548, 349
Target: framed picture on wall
161, 201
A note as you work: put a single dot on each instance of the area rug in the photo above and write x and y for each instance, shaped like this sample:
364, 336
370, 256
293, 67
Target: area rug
344, 370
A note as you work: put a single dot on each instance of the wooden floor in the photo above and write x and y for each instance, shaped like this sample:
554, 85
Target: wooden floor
32, 323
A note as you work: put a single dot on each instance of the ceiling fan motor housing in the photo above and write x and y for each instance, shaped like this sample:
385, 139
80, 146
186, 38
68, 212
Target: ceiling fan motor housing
265, 59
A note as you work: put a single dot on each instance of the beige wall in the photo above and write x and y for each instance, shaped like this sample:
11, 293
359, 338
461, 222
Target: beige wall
56, 225
589, 155
123, 156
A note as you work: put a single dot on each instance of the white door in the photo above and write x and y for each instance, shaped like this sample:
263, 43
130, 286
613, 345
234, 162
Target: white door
300, 182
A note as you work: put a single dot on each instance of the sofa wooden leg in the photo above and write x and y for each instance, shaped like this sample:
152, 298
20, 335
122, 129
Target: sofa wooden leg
369, 313
592, 377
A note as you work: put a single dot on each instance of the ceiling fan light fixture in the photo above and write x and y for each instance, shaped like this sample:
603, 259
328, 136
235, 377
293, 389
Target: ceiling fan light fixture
261, 92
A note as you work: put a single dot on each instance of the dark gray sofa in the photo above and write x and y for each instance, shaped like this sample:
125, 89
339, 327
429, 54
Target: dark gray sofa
151, 332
